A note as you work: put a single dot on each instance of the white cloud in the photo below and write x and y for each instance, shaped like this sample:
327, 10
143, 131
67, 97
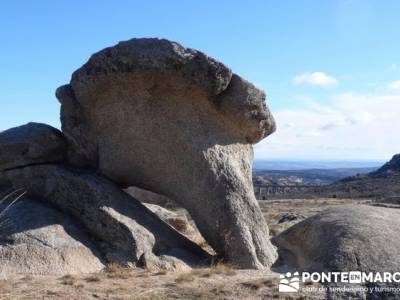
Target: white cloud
316, 78
393, 67
395, 85
353, 126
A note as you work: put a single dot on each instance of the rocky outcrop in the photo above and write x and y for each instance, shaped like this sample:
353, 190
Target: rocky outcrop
33, 143
37, 239
136, 235
153, 114
347, 238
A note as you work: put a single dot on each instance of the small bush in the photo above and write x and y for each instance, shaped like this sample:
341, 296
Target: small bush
254, 285
185, 277
93, 278
69, 280
223, 269
118, 271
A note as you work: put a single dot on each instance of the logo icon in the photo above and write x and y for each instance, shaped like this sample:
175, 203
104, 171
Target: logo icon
289, 283
355, 277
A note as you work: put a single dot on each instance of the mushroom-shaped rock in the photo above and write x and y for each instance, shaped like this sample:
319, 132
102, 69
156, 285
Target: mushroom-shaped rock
30, 144
153, 114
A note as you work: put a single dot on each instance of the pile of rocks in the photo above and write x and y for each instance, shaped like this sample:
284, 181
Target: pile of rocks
150, 114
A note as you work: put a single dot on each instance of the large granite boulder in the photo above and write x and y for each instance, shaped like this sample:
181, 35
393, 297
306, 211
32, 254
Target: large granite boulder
153, 114
137, 237
30, 144
35, 238
343, 239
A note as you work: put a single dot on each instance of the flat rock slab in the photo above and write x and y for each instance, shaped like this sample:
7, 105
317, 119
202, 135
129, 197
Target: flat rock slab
30, 144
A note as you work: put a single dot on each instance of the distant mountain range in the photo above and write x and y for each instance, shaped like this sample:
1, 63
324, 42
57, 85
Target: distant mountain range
381, 183
317, 164
349, 182
306, 177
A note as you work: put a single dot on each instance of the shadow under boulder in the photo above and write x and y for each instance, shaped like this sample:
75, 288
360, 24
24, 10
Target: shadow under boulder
36, 238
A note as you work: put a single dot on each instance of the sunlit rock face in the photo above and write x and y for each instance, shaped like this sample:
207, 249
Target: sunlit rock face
153, 114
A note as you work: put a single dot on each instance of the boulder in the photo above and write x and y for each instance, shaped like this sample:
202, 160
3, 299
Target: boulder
181, 221
149, 197
288, 217
30, 144
136, 235
35, 238
153, 114
177, 220
342, 239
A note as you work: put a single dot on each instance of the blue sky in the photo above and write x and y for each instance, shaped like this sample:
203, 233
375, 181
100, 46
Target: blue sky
331, 69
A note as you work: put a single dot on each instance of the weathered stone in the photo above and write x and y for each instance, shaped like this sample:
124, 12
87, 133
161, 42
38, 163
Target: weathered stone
178, 221
37, 239
342, 239
153, 114
134, 232
29, 144
149, 197
290, 216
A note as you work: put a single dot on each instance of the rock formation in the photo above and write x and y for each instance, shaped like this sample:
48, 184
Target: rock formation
153, 114
37, 239
30, 144
347, 238
111, 215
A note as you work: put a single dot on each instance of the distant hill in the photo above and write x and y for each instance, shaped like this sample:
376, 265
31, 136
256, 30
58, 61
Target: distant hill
311, 176
260, 164
382, 183
392, 167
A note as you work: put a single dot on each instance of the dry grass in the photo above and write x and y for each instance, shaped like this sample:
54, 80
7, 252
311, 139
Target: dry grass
4, 287
220, 281
258, 284
69, 280
218, 269
161, 272
116, 270
223, 269
7, 201
274, 209
206, 283
93, 278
